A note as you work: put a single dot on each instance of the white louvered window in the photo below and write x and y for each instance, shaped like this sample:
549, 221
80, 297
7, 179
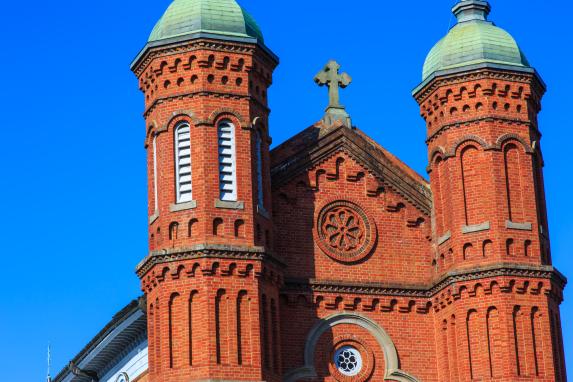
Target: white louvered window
261, 194
183, 162
227, 162
155, 193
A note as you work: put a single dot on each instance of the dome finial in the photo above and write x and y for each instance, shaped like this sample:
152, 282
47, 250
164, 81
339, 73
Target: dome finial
469, 10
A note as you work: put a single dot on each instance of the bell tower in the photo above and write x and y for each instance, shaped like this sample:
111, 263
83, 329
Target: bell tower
210, 277
480, 99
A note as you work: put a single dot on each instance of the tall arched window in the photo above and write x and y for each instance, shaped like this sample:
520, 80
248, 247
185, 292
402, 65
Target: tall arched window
259, 148
227, 161
155, 193
183, 162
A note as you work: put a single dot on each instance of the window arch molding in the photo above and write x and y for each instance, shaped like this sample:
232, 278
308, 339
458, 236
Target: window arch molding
177, 117
151, 132
392, 370
461, 144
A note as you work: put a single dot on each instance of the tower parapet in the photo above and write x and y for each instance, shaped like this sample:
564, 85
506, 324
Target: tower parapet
480, 99
210, 278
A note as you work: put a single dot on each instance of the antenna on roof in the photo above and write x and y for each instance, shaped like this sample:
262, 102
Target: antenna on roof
49, 377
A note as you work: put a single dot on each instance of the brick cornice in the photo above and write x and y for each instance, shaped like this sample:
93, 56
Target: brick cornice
428, 290
150, 54
205, 252
538, 88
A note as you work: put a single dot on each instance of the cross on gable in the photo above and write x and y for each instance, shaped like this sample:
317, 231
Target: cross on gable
331, 77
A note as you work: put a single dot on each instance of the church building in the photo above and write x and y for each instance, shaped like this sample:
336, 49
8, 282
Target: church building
326, 258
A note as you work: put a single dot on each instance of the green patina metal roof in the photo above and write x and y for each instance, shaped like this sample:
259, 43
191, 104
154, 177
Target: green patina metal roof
473, 40
219, 17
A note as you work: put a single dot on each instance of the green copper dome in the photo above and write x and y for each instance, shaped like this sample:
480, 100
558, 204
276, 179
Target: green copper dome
473, 40
217, 17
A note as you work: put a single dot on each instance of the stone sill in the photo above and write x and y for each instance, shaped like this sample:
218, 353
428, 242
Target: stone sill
447, 236
476, 228
183, 206
229, 205
153, 218
519, 226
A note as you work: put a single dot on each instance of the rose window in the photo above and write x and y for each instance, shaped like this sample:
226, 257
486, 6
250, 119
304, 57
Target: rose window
344, 231
348, 361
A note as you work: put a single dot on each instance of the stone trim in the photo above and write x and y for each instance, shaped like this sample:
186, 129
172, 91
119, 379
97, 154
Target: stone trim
476, 228
447, 236
238, 205
427, 290
518, 226
204, 251
176, 207
392, 371
153, 218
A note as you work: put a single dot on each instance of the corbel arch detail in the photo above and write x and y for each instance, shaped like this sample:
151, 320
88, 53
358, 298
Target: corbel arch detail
437, 151
465, 139
513, 137
150, 133
392, 371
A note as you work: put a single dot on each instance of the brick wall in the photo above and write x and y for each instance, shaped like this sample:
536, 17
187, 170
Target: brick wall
443, 281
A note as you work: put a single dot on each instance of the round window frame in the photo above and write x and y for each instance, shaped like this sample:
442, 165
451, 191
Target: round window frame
358, 360
368, 359
370, 231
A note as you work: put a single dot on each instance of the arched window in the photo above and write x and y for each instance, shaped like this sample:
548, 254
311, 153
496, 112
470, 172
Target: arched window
183, 162
259, 148
155, 196
227, 161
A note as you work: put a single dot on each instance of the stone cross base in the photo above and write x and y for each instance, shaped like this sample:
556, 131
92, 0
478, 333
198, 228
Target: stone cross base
337, 113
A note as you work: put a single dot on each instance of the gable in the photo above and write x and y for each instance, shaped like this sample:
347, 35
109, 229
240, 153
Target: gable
338, 218
317, 143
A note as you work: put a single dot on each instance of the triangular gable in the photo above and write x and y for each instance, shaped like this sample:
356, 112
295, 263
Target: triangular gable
316, 143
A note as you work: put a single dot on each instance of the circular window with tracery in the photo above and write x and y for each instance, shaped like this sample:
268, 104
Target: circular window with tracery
348, 361
344, 231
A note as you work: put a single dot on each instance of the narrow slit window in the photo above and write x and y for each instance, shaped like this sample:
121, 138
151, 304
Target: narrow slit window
155, 193
183, 162
261, 196
227, 162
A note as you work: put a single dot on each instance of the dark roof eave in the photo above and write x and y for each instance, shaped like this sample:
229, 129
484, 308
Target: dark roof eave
116, 321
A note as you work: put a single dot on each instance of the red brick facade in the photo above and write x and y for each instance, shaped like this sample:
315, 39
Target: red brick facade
443, 281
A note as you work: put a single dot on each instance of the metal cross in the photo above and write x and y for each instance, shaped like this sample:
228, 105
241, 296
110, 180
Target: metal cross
330, 77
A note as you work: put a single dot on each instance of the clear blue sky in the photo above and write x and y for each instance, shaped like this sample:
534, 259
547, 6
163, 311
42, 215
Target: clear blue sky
73, 181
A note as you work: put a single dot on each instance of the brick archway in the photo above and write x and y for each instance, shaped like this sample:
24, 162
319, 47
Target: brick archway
392, 371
